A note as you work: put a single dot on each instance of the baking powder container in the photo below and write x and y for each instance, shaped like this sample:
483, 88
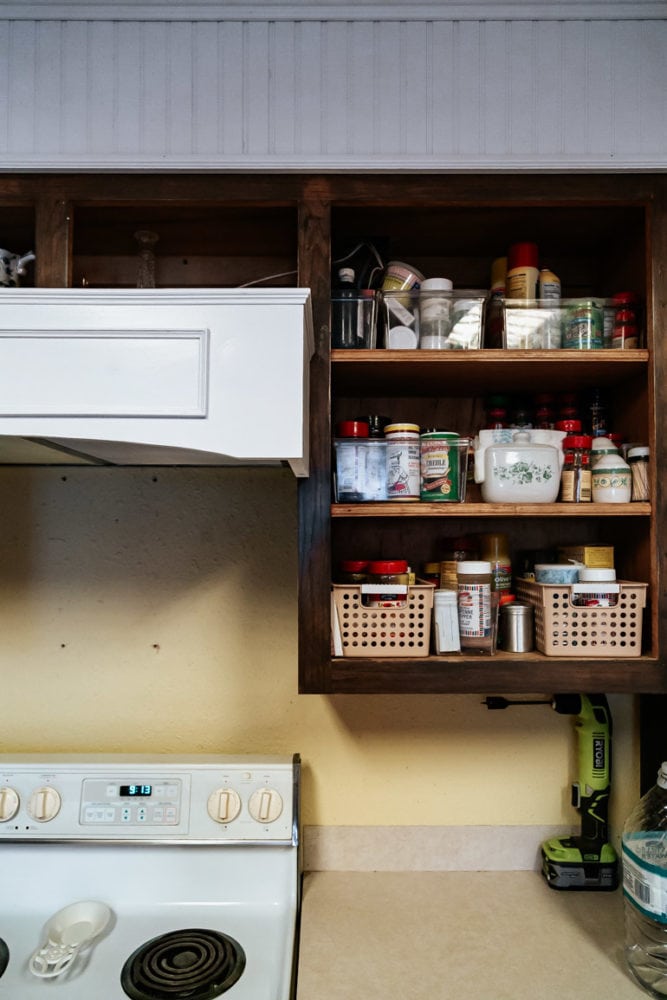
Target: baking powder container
516, 628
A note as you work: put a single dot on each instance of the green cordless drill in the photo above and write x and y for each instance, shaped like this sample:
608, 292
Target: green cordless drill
586, 861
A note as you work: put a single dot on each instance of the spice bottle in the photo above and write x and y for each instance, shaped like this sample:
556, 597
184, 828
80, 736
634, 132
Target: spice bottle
476, 618
494, 548
575, 480
522, 272
391, 577
458, 550
625, 332
403, 461
344, 311
638, 462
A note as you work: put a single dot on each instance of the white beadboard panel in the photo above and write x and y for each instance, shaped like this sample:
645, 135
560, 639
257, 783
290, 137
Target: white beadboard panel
333, 95
331, 10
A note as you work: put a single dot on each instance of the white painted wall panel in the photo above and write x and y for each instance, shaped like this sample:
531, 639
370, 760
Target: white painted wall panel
383, 94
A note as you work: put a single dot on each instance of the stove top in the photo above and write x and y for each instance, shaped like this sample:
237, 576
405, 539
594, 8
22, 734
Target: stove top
153, 879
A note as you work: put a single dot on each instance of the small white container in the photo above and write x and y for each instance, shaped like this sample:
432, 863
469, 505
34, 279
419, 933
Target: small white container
611, 480
446, 638
589, 575
602, 446
435, 314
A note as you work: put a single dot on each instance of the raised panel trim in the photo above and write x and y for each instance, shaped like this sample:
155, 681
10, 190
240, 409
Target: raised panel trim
104, 373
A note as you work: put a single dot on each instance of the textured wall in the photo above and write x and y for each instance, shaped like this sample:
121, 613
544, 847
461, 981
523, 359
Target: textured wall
154, 610
386, 94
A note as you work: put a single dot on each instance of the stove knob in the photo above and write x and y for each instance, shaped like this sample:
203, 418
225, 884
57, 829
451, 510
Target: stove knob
9, 803
44, 804
265, 805
224, 805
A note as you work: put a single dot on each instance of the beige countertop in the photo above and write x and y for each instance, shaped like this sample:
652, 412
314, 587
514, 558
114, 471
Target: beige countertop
458, 935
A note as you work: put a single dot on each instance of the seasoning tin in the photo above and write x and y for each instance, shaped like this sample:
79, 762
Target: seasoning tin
403, 468
583, 328
439, 463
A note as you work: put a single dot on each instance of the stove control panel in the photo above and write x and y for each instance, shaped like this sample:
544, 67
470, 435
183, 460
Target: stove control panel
129, 803
208, 799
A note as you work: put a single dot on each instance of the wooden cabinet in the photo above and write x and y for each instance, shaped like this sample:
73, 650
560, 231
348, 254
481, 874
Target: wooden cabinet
600, 233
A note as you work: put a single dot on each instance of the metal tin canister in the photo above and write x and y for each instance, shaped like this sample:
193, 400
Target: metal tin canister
584, 327
516, 628
439, 464
402, 461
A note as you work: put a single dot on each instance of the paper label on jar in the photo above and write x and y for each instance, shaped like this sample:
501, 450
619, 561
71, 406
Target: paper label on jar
645, 882
474, 610
403, 470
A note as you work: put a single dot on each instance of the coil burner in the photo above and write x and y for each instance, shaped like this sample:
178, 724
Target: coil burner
194, 964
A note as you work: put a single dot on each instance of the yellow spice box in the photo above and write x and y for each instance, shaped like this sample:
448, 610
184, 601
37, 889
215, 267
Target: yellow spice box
594, 556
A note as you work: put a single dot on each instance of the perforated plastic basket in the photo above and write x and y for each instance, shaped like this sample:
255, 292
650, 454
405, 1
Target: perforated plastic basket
400, 631
564, 629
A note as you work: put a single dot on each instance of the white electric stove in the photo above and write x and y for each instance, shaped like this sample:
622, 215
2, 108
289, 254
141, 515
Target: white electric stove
148, 877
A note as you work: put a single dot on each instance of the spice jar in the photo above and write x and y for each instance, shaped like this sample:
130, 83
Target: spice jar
391, 577
494, 548
403, 461
477, 624
638, 462
459, 550
352, 571
575, 480
625, 332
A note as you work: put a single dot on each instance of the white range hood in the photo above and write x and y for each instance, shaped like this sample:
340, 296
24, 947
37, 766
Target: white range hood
155, 377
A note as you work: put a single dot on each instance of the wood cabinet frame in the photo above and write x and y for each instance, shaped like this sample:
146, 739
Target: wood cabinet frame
50, 204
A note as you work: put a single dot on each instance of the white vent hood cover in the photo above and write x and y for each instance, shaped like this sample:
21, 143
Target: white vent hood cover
155, 377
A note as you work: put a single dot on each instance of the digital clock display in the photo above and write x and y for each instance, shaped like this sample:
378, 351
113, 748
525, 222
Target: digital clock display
136, 791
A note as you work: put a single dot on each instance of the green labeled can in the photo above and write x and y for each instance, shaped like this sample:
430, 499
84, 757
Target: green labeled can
440, 467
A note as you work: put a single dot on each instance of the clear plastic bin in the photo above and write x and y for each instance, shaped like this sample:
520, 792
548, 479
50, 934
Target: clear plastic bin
433, 320
570, 324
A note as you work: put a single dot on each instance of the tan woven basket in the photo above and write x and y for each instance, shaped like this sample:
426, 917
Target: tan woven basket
403, 631
564, 629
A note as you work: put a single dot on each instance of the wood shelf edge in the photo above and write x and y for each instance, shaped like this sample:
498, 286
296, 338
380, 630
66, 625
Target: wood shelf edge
418, 509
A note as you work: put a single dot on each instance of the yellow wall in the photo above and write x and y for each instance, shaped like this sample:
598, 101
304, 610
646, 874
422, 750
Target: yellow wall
155, 611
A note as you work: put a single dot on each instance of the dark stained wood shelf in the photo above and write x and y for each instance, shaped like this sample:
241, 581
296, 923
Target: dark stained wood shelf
406, 373
509, 673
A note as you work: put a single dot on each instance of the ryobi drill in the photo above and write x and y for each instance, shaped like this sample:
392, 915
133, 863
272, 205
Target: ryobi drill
586, 861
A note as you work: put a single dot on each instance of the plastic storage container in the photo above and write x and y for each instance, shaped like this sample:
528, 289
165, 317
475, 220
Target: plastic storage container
398, 631
564, 628
402, 311
644, 854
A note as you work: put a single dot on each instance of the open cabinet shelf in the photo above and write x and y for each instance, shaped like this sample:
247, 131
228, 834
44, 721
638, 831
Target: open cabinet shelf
455, 226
